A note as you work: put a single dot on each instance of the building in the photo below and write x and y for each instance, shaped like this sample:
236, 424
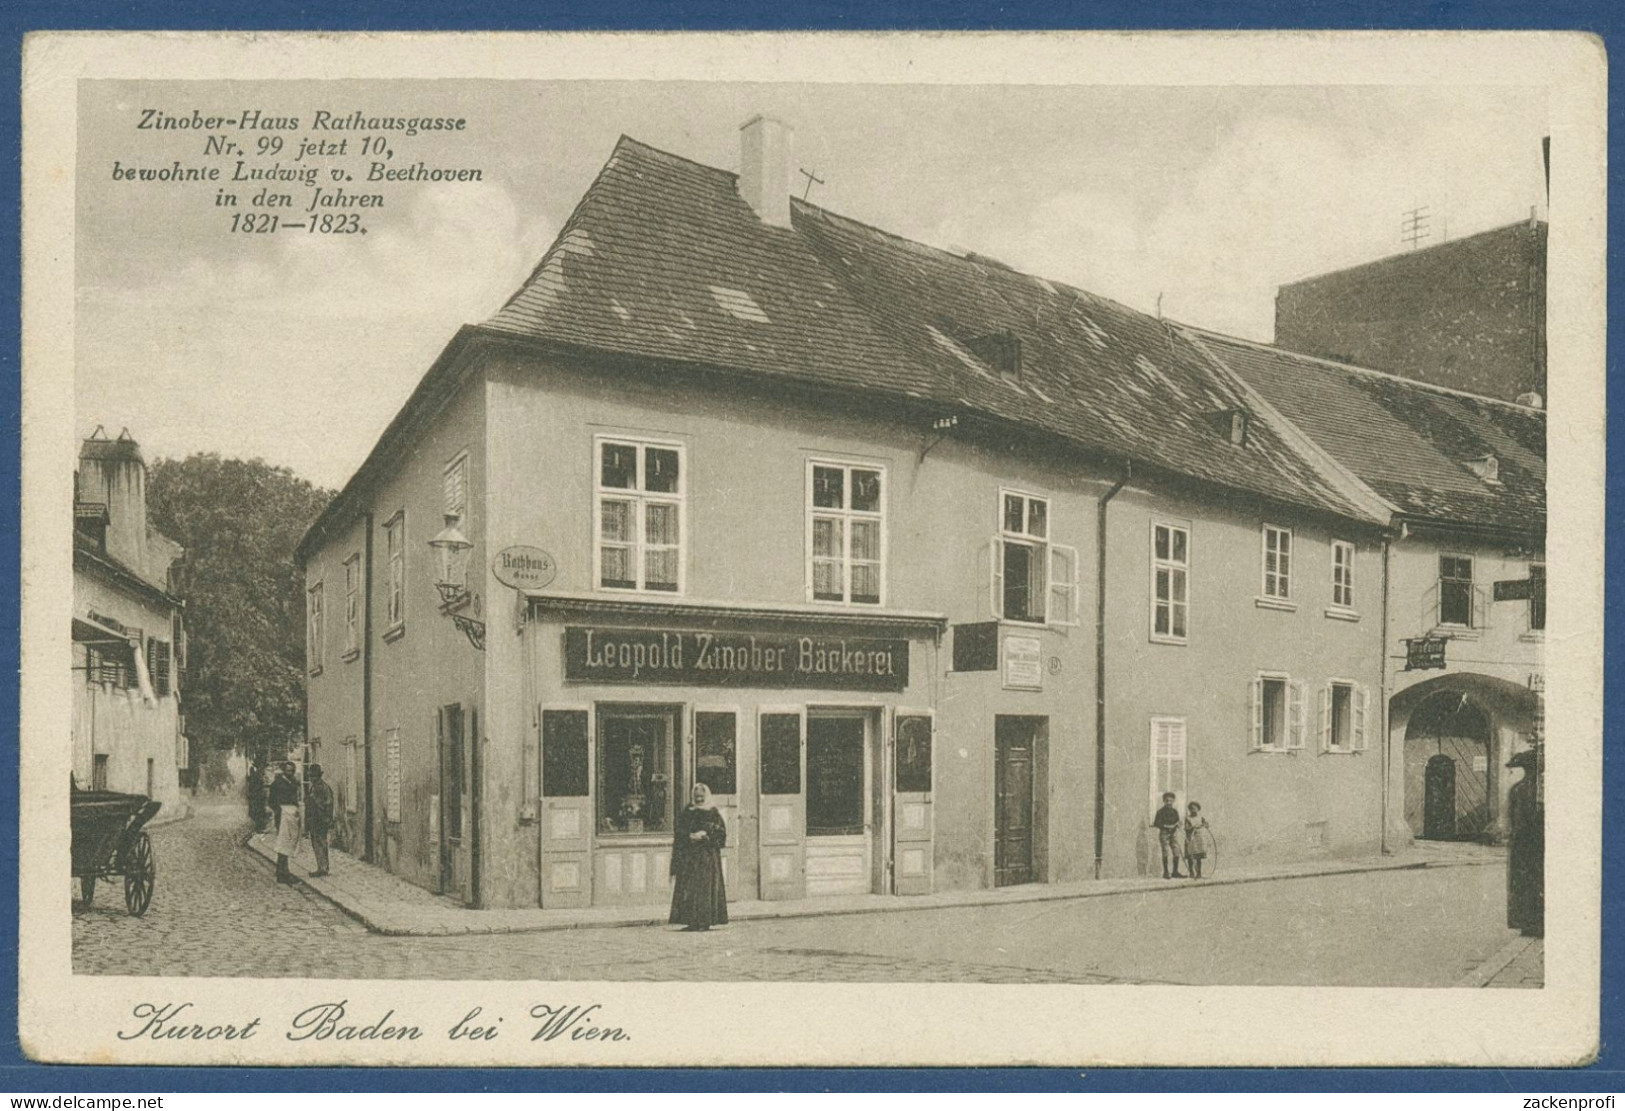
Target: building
1469, 314
128, 638
1464, 572
938, 574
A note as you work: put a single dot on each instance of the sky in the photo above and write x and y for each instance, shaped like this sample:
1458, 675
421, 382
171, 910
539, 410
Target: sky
299, 349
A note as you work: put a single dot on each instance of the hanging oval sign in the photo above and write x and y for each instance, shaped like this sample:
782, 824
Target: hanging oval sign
524, 567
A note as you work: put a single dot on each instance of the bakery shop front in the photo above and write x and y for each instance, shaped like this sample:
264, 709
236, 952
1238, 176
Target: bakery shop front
812, 730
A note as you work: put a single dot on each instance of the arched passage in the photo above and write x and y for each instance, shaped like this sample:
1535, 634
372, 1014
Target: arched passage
1450, 775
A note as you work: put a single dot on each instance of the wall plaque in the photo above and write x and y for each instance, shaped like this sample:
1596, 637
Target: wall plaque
1023, 663
725, 659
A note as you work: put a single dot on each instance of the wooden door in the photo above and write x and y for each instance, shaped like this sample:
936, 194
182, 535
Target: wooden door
1013, 802
912, 818
783, 823
566, 818
1439, 799
449, 800
839, 809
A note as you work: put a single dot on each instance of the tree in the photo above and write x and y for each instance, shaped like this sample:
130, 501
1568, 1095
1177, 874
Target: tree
239, 521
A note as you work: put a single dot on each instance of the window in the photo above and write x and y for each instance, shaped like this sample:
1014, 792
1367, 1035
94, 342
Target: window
352, 605
1023, 536
313, 629
395, 552
158, 666
1167, 760
781, 754
1537, 597
98, 772
455, 483
177, 633
640, 516
847, 511
634, 772
835, 775
352, 785
913, 754
1170, 582
1277, 714
1456, 591
1343, 711
1034, 580
715, 750
1342, 574
1277, 562
392, 775
564, 753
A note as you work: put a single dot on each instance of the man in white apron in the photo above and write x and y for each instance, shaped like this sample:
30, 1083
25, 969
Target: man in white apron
285, 801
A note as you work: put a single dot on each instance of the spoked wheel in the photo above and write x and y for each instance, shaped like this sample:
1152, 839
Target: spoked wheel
140, 875
87, 889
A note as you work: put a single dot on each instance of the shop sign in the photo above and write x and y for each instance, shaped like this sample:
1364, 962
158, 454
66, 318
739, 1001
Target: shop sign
1425, 653
524, 567
1513, 590
724, 659
1023, 663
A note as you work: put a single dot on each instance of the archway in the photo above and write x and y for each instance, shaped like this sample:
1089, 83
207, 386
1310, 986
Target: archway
1450, 780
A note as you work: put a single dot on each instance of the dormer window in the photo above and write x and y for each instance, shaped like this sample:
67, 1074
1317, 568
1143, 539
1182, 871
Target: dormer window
1001, 351
1486, 467
1231, 424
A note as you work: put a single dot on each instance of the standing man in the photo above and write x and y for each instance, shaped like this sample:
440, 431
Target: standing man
285, 801
318, 817
1526, 848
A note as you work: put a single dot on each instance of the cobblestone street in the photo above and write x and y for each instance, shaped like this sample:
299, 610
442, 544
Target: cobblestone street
217, 912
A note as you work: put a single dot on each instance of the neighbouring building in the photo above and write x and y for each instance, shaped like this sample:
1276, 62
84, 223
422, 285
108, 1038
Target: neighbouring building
1469, 313
1464, 572
128, 638
937, 573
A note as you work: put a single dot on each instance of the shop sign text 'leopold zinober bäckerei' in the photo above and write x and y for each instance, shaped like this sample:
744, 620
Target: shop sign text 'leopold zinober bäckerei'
720, 659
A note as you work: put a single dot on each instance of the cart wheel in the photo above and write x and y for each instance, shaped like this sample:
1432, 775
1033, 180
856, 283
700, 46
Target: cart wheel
87, 889
140, 874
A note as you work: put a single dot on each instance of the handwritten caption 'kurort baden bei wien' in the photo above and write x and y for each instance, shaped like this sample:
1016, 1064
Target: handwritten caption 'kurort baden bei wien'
336, 1022
257, 172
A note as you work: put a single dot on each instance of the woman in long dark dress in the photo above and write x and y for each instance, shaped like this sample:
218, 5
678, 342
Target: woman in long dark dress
698, 899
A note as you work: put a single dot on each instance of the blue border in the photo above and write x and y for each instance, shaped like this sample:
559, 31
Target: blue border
1605, 18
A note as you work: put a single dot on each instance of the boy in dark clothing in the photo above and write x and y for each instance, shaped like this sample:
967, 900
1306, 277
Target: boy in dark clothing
1167, 824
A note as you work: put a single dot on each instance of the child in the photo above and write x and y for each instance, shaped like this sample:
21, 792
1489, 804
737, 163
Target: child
1167, 826
1198, 839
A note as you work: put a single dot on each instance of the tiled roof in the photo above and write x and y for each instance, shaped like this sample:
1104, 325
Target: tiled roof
1409, 441
663, 259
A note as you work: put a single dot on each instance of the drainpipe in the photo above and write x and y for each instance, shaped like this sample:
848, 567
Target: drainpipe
366, 693
1387, 740
1100, 665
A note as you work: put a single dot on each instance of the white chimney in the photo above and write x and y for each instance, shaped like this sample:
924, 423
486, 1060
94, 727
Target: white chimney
766, 147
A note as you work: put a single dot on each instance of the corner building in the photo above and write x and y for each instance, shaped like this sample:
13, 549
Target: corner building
936, 573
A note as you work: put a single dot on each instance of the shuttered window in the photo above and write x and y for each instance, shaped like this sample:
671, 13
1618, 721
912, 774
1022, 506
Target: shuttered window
1278, 713
1167, 760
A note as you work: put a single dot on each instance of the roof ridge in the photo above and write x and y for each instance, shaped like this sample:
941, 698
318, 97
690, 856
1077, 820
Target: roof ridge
1340, 365
627, 140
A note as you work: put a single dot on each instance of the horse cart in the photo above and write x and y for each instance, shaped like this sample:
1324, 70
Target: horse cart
108, 842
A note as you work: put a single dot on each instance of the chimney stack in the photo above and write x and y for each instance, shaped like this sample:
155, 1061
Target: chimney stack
766, 147
113, 473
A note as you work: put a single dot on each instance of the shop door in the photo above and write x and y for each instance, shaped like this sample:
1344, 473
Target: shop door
783, 813
566, 818
838, 805
1013, 801
912, 817
1439, 799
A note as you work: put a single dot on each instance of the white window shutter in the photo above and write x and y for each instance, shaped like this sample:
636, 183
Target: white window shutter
1362, 707
1063, 584
1176, 758
1481, 608
995, 589
1258, 716
1294, 714
1430, 607
1325, 718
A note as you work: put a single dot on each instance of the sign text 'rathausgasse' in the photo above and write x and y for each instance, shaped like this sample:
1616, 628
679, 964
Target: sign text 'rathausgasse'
725, 659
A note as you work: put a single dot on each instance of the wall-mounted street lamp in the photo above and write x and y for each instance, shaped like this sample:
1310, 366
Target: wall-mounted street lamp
451, 550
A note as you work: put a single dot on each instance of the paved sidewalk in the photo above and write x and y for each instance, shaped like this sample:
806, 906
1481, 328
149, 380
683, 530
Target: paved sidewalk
387, 904
1521, 963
